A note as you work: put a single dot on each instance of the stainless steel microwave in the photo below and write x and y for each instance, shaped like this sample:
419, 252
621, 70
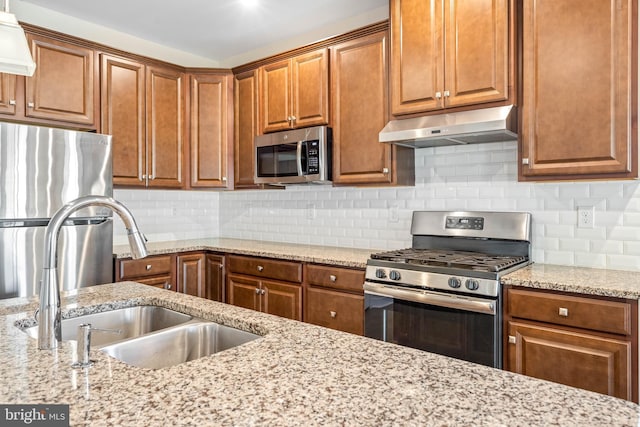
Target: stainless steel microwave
297, 156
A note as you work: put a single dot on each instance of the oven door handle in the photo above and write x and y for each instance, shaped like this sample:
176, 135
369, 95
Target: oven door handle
459, 302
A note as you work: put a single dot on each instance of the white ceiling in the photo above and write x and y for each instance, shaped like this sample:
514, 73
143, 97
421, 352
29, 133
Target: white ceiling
214, 29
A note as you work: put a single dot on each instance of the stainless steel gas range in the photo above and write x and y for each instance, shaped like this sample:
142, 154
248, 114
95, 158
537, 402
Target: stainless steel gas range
443, 294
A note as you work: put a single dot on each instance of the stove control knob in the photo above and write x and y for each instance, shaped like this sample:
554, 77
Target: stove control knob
380, 274
454, 282
472, 284
394, 275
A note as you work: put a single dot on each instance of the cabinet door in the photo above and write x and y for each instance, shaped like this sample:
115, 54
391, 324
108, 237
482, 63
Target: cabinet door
282, 299
246, 127
334, 309
64, 86
165, 126
243, 292
210, 137
577, 359
191, 274
214, 276
579, 103
275, 92
476, 52
310, 96
417, 64
359, 111
160, 282
123, 117
8, 94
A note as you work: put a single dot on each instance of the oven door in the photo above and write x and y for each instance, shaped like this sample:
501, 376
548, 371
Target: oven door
458, 326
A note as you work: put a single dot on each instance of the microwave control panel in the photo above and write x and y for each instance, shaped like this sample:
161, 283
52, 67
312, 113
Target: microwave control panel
313, 157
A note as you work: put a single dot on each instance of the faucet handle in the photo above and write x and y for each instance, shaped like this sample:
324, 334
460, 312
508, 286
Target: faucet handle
84, 344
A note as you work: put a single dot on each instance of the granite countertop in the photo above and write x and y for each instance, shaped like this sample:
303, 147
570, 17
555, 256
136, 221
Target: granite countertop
345, 257
297, 374
591, 281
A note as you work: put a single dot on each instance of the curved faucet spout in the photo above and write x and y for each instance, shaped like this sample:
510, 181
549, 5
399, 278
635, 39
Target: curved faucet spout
49, 327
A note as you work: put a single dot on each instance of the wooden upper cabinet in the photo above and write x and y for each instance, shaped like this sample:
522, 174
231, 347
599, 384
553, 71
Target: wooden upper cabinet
579, 103
449, 53
8, 94
295, 92
123, 117
64, 86
246, 127
359, 93
165, 126
211, 138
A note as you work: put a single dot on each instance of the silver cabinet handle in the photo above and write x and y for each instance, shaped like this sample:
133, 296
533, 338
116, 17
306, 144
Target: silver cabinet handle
262, 292
333, 314
525, 161
167, 286
148, 267
30, 104
224, 179
260, 268
438, 95
512, 339
333, 278
12, 102
385, 171
564, 312
257, 291
446, 94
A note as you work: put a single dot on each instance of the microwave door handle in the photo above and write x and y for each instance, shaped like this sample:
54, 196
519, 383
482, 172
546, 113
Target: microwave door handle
299, 158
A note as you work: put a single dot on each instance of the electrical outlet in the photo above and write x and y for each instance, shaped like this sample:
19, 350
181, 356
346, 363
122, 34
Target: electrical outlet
586, 216
311, 211
394, 215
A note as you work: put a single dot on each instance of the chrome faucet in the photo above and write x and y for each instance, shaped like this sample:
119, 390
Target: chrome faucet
49, 327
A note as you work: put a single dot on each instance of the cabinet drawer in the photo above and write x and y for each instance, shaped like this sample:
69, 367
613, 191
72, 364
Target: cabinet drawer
334, 277
335, 310
264, 267
580, 312
162, 282
145, 267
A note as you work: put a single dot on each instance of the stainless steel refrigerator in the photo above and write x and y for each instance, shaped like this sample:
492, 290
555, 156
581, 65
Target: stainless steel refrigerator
41, 169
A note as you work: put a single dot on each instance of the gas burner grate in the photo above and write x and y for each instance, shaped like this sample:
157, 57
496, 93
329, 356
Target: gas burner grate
452, 259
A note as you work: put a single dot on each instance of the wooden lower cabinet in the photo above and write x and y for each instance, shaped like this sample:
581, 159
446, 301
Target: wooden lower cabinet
585, 342
201, 274
214, 277
268, 296
577, 359
158, 271
334, 298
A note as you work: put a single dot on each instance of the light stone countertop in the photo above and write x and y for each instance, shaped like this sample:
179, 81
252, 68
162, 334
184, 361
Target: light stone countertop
345, 257
590, 281
297, 374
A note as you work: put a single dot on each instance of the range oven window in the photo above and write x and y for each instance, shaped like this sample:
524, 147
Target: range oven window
451, 332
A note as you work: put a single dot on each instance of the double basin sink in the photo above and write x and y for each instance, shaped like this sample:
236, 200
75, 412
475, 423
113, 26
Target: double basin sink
153, 337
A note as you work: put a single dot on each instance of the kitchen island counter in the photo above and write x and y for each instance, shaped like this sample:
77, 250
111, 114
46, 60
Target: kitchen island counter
296, 374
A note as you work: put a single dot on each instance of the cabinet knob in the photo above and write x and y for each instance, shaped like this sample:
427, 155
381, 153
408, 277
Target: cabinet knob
333, 314
446, 94
224, 179
333, 278
12, 102
385, 171
148, 267
260, 268
257, 291
30, 104
564, 312
512, 339
525, 161
438, 95
262, 292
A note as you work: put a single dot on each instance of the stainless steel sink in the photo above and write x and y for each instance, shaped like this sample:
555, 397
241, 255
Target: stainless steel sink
131, 321
179, 344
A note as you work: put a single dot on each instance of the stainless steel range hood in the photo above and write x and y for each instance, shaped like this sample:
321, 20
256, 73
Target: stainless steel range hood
495, 124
